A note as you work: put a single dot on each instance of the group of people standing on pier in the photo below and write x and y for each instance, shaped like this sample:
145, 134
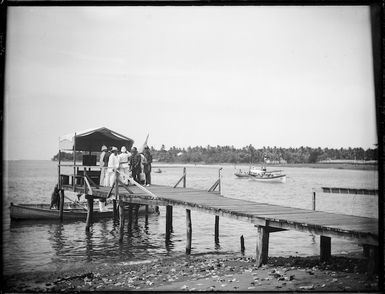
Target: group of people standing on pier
128, 164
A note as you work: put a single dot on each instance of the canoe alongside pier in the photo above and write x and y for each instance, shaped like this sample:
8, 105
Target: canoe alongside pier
41, 212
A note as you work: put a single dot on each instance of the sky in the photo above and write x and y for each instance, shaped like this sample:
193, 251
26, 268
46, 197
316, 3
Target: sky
285, 76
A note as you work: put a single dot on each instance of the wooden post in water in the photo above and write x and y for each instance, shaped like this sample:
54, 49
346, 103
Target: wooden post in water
217, 216
219, 184
129, 217
314, 200
58, 171
262, 249
61, 205
114, 208
184, 177
116, 186
90, 205
242, 244
137, 206
146, 215
325, 244
168, 221
121, 221
74, 177
216, 238
188, 231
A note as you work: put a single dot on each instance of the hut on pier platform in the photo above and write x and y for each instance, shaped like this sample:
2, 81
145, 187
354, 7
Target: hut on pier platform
88, 141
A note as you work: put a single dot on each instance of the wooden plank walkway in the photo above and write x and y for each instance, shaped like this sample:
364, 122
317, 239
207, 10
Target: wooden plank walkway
361, 229
266, 217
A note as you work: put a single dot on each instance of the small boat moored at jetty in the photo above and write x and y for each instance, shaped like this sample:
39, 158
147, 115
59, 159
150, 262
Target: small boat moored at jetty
39, 212
262, 175
43, 212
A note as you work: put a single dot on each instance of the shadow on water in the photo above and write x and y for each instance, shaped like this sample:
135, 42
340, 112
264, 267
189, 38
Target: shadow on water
55, 236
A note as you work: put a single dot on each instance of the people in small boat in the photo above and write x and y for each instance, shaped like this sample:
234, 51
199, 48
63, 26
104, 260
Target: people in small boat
135, 164
55, 198
103, 165
106, 158
113, 165
124, 158
147, 165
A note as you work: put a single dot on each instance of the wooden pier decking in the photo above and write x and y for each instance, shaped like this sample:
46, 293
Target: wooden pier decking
268, 218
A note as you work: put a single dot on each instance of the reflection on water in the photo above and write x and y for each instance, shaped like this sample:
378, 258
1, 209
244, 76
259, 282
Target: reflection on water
30, 246
55, 236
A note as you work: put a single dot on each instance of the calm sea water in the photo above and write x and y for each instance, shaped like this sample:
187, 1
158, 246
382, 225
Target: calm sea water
29, 246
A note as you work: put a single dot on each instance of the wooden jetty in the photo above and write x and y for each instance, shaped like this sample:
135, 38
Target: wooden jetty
267, 218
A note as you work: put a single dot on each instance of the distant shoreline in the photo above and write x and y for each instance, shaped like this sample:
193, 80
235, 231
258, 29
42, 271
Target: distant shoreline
274, 166
333, 165
351, 166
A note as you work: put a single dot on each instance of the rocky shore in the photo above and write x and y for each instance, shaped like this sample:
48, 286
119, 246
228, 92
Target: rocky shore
206, 272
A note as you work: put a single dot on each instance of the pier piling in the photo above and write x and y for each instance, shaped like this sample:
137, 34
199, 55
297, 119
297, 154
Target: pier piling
313, 206
242, 244
146, 216
130, 210
116, 185
114, 209
262, 247
137, 206
216, 229
90, 205
61, 205
184, 177
325, 252
168, 220
121, 221
188, 231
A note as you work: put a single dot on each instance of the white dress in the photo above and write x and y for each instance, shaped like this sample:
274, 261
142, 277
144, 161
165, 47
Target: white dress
124, 166
113, 165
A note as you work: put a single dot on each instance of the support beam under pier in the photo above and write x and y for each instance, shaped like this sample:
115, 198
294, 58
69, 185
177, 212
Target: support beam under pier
262, 248
325, 250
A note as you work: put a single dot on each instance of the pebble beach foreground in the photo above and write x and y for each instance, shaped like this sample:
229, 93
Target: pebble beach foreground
206, 272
